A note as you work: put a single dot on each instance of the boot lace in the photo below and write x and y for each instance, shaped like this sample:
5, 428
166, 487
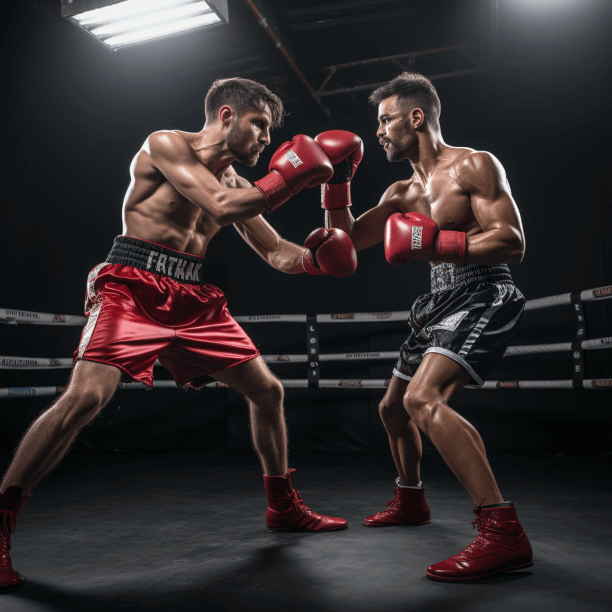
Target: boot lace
392, 502
301, 504
7, 527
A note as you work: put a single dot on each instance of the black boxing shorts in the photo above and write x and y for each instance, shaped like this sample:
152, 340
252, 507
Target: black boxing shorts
470, 315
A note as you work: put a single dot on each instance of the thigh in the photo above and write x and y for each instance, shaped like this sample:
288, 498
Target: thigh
250, 378
438, 376
120, 330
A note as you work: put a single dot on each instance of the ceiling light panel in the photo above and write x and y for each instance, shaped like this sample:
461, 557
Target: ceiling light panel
134, 21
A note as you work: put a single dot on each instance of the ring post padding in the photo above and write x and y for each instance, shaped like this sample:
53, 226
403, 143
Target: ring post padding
312, 350
577, 350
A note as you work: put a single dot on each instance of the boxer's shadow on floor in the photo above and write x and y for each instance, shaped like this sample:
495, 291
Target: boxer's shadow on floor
271, 578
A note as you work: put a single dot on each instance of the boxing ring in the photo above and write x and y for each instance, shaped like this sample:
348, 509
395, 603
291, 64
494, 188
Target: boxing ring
313, 358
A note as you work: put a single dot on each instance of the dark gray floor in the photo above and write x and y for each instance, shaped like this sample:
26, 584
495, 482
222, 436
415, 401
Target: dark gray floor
185, 531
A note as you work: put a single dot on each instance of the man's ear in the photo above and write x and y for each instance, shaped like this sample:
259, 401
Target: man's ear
225, 114
417, 118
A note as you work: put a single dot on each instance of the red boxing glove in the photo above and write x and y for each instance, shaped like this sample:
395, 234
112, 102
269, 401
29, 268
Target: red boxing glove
416, 236
294, 165
334, 254
345, 152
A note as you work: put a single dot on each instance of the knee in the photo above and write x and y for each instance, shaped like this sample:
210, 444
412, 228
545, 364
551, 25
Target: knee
421, 406
77, 407
269, 394
392, 413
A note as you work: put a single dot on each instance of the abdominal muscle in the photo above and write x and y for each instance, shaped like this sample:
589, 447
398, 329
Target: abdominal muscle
155, 211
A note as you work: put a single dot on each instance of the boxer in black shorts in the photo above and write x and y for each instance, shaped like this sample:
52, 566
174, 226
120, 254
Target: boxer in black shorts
456, 212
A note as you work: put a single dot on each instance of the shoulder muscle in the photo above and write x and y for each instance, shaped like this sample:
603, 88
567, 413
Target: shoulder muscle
481, 171
167, 145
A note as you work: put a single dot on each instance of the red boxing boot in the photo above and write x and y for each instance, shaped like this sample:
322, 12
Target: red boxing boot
11, 504
501, 546
408, 507
288, 512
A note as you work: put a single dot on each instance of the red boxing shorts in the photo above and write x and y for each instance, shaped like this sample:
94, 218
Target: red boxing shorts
147, 302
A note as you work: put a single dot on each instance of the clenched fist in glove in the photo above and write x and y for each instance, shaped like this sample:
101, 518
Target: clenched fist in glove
345, 151
333, 250
416, 236
294, 165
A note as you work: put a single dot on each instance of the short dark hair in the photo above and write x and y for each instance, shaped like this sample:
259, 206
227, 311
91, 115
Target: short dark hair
413, 91
242, 94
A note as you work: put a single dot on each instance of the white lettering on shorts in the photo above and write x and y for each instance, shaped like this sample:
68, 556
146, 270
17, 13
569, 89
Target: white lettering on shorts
152, 256
171, 262
161, 263
417, 236
294, 160
180, 268
450, 323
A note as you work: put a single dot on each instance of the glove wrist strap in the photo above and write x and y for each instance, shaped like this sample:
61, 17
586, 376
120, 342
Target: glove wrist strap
450, 247
274, 189
337, 196
309, 264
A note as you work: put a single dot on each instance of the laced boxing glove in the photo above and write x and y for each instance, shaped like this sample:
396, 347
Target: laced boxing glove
345, 152
334, 253
416, 236
295, 165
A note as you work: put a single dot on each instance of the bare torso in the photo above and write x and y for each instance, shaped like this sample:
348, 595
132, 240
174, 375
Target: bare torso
440, 195
154, 210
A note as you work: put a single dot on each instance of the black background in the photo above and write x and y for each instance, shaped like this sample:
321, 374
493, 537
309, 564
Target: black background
75, 113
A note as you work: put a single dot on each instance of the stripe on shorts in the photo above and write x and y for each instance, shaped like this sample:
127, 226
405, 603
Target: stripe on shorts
502, 290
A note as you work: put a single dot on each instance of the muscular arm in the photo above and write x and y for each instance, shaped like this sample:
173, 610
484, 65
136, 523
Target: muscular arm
502, 239
175, 159
369, 228
281, 254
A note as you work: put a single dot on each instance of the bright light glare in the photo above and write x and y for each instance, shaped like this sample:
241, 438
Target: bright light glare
124, 10
163, 30
134, 21
149, 20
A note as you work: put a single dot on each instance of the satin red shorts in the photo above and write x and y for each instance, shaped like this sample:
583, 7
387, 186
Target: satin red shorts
137, 316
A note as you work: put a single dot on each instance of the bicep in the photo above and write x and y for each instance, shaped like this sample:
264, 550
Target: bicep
497, 212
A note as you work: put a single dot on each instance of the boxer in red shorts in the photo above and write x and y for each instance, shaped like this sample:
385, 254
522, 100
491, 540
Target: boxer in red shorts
150, 300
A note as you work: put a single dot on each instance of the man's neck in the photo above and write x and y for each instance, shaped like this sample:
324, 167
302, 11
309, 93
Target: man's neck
212, 150
431, 146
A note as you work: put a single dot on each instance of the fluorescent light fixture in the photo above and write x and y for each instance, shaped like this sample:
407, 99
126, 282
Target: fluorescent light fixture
127, 22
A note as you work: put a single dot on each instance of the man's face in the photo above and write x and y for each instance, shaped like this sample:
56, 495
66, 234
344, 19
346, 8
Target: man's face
249, 135
395, 133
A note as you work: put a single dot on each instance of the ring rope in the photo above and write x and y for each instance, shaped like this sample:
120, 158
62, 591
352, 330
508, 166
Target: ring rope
14, 317
41, 363
589, 384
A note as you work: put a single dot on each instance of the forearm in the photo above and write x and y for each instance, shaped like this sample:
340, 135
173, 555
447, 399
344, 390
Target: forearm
340, 218
288, 258
494, 247
363, 234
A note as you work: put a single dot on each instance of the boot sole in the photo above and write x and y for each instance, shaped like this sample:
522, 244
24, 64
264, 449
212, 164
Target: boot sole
395, 524
469, 578
274, 529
